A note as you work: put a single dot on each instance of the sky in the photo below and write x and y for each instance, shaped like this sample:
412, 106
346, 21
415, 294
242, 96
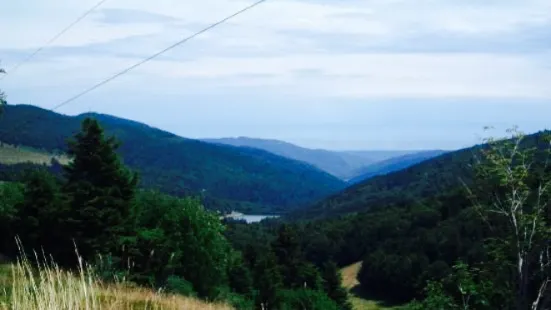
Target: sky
343, 75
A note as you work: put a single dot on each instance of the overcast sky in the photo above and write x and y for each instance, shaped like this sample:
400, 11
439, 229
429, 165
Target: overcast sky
346, 74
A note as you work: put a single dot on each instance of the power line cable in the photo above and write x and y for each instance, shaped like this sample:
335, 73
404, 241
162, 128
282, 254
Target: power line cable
53, 39
128, 69
123, 72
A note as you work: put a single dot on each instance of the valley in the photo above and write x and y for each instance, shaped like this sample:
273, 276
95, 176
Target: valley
275, 155
204, 166
286, 224
350, 166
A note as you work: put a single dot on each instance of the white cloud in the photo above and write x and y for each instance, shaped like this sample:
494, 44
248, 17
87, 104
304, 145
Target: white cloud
342, 76
375, 75
30, 24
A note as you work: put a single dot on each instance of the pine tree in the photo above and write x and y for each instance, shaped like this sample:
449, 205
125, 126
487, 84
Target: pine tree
267, 280
309, 276
332, 283
100, 188
239, 276
289, 256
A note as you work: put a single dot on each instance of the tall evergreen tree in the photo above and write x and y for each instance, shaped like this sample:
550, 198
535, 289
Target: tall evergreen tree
332, 284
289, 255
267, 280
239, 276
100, 188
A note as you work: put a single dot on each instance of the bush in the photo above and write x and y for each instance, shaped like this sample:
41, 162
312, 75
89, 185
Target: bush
305, 299
180, 286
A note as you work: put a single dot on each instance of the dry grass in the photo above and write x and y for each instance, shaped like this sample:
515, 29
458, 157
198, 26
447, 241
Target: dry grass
47, 287
359, 301
349, 275
11, 155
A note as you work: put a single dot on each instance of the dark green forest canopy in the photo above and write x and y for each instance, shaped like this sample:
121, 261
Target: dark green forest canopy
431, 178
246, 179
412, 231
393, 164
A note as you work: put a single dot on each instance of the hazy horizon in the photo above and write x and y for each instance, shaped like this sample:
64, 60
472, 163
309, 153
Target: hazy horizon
333, 75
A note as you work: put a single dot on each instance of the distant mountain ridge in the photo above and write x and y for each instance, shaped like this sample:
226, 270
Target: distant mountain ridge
439, 175
394, 164
345, 165
244, 179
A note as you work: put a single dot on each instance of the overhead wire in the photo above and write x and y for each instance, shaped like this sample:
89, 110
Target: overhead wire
157, 54
134, 66
52, 40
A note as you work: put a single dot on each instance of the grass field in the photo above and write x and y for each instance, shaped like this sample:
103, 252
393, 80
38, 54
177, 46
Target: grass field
358, 299
49, 288
10, 155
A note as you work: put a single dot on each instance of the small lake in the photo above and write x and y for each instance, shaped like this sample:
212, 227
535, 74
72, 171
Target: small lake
250, 218
256, 218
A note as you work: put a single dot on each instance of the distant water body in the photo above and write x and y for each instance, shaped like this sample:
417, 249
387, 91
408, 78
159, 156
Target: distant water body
250, 218
256, 218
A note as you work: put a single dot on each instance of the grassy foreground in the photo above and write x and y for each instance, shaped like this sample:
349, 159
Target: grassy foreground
359, 301
23, 287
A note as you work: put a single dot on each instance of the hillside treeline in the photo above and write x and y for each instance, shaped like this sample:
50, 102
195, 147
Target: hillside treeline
227, 178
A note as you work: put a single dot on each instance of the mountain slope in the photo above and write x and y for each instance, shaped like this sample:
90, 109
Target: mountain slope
433, 177
342, 164
229, 177
393, 164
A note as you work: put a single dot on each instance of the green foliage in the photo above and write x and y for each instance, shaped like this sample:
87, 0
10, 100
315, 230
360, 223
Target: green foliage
43, 209
267, 280
289, 256
239, 276
512, 198
465, 288
305, 299
11, 195
177, 236
238, 301
178, 285
436, 299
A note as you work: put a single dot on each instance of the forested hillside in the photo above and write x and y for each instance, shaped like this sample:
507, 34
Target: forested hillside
94, 220
436, 176
393, 164
227, 177
448, 233
342, 164
453, 241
